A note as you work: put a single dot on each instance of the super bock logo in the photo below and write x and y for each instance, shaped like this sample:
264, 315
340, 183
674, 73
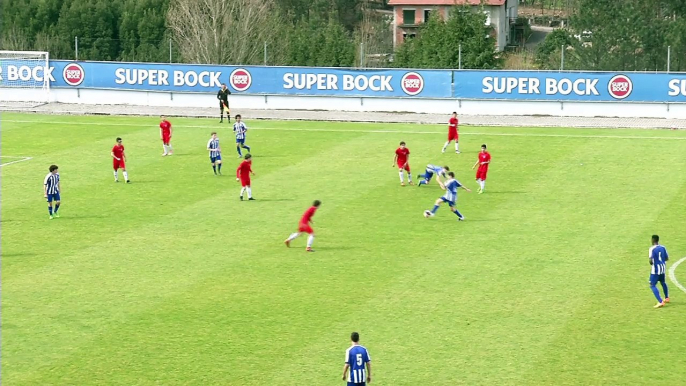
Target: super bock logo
620, 86
412, 83
73, 74
240, 79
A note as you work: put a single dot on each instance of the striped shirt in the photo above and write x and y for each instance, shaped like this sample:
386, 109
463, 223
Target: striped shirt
357, 357
658, 255
451, 187
239, 128
438, 170
213, 147
52, 183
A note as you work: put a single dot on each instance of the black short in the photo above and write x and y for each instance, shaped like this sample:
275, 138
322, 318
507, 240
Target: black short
221, 104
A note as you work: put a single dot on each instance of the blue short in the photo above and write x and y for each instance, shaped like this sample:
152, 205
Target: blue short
54, 197
656, 278
357, 384
240, 141
215, 159
450, 203
428, 174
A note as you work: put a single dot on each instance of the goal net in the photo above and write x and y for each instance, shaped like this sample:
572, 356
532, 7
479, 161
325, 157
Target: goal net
24, 79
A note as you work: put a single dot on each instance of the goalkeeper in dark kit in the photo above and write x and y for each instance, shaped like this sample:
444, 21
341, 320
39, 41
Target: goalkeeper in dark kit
223, 96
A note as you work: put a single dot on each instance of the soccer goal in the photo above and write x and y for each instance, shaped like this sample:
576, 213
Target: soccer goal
24, 79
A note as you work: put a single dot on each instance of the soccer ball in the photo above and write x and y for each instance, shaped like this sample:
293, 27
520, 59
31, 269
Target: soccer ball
427, 213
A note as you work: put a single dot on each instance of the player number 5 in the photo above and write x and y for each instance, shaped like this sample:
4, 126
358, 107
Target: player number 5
359, 359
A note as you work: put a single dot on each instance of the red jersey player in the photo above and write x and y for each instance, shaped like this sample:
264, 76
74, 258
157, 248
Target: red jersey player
243, 175
119, 161
402, 159
165, 135
304, 226
452, 133
483, 162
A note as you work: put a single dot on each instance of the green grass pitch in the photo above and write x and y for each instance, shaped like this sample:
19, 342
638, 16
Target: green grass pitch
171, 280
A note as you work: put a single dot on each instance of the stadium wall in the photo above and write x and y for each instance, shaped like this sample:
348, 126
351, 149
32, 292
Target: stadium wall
584, 94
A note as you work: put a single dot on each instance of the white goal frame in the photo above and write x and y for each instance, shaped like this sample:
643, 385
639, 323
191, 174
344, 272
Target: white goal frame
23, 80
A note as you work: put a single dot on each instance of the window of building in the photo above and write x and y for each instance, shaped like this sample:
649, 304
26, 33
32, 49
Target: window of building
408, 16
407, 36
427, 15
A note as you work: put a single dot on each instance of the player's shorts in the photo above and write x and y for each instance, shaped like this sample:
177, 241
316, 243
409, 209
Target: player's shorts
240, 141
453, 135
450, 203
245, 182
215, 159
118, 164
221, 105
404, 165
305, 228
481, 174
56, 197
166, 138
428, 174
357, 384
656, 278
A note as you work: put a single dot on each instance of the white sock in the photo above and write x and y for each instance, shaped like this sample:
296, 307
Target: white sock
249, 192
242, 191
401, 177
164, 147
169, 147
483, 185
116, 177
126, 176
293, 236
409, 177
446, 145
457, 147
310, 240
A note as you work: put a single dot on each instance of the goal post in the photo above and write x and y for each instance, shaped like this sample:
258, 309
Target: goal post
24, 78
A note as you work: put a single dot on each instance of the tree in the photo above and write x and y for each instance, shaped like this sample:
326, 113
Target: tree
548, 53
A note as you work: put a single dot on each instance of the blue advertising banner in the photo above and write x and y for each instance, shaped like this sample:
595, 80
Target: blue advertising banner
570, 86
252, 80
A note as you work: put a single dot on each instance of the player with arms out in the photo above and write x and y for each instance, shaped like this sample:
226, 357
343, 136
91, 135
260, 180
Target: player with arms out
223, 97
483, 162
165, 135
239, 128
402, 159
215, 154
439, 171
450, 197
243, 175
304, 226
657, 257
51, 190
356, 358
452, 133
119, 161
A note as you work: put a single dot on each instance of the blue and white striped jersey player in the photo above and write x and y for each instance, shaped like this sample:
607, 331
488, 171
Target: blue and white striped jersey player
239, 128
356, 358
215, 153
658, 266
450, 197
439, 171
51, 190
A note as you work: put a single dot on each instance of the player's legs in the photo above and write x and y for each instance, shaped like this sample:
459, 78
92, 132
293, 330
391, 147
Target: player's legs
213, 162
221, 112
402, 176
50, 205
409, 174
239, 143
249, 190
445, 146
428, 174
457, 145
661, 279
656, 292
244, 146
290, 238
310, 241
56, 197
170, 151
437, 204
126, 175
116, 176
218, 162
457, 212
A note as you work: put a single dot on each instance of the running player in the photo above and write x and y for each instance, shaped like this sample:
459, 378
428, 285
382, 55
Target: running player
51, 190
450, 197
304, 226
239, 128
119, 161
658, 268
402, 160
215, 154
452, 133
165, 135
481, 173
439, 171
243, 175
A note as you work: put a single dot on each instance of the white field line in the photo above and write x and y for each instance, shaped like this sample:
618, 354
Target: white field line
374, 131
21, 159
672, 275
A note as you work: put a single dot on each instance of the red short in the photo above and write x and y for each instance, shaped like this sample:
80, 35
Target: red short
481, 173
452, 135
245, 182
166, 138
305, 228
118, 164
403, 165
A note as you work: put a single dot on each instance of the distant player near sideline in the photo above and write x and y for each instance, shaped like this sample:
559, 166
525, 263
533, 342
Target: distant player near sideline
483, 162
402, 159
51, 190
658, 258
304, 226
450, 197
243, 175
239, 128
215, 154
356, 358
119, 161
223, 97
439, 171
452, 133
165, 135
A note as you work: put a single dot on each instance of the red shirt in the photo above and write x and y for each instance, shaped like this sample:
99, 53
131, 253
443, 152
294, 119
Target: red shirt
166, 127
484, 157
402, 155
244, 169
309, 213
118, 151
453, 124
